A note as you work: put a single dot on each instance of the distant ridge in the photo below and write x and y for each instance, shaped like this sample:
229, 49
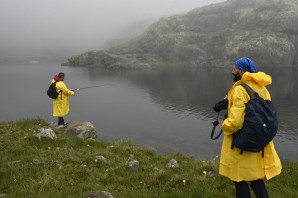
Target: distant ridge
214, 35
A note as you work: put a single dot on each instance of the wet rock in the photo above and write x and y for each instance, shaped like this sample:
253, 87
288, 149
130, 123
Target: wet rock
45, 133
134, 165
99, 194
37, 162
84, 130
100, 159
172, 164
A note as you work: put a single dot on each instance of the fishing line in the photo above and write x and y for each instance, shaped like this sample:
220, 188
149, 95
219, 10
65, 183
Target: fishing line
92, 87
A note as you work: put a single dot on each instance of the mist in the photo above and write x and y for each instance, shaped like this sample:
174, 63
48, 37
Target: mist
32, 27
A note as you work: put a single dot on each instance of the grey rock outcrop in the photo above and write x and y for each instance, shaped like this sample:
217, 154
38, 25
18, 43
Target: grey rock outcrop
214, 35
134, 165
100, 159
172, 164
99, 194
45, 133
105, 59
265, 30
84, 130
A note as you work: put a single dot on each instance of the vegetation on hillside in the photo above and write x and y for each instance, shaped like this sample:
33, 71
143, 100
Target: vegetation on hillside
218, 34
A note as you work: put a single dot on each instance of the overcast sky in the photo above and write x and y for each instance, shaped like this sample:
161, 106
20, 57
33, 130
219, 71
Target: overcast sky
84, 23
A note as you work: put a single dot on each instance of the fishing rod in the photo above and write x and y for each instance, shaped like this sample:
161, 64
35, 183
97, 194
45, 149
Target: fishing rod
91, 87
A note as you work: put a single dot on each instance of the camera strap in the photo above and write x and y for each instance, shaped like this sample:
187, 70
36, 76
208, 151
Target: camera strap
215, 123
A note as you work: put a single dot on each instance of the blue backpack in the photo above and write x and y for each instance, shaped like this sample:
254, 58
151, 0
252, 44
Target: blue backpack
260, 124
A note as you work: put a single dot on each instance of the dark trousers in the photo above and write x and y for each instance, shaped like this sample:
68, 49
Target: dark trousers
60, 121
258, 186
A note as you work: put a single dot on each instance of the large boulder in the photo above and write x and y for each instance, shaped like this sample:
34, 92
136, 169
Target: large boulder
84, 130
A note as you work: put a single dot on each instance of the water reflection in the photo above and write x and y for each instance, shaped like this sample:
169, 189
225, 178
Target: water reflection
194, 91
182, 90
169, 109
191, 92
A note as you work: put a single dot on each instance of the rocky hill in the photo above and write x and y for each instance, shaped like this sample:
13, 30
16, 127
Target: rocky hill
214, 35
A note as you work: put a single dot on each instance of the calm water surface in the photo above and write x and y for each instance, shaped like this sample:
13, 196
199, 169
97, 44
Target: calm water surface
168, 109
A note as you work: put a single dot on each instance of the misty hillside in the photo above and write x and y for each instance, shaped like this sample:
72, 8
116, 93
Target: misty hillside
265, 30
57, 52
128, 32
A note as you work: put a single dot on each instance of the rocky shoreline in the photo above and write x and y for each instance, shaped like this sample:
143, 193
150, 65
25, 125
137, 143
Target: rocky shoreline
83, 130
104, 59
214, 35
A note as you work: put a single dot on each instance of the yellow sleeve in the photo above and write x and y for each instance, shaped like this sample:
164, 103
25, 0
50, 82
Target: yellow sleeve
236, 111
65, 90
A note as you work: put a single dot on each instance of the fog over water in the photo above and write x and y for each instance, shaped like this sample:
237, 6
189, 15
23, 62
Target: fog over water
168, 109
78, 25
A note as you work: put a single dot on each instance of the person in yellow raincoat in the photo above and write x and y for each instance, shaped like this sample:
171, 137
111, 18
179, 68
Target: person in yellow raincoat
249, 166
61, 104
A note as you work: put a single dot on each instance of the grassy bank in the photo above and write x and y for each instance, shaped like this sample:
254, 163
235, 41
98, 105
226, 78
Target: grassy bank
67, 167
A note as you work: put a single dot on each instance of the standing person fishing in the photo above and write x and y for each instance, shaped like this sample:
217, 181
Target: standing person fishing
245, 166
61, 103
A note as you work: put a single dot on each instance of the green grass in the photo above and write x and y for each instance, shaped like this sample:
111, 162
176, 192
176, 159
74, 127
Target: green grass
30, 167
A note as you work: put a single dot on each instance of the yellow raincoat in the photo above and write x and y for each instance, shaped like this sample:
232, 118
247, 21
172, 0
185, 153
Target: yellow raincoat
247, 166
61, 104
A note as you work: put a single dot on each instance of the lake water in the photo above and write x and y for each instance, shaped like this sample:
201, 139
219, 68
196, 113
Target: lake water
168, 109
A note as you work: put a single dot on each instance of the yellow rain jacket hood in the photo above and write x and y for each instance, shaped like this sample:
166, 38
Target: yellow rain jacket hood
61, 104
247, 166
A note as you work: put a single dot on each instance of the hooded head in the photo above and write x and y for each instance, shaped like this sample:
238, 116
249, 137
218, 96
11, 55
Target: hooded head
246, 64
59, 77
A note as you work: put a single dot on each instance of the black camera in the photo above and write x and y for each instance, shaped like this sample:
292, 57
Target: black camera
221, 105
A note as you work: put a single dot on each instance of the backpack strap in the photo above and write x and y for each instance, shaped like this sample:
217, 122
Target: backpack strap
249, 90
252, 94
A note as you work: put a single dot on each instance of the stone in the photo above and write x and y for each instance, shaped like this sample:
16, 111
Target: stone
47, 133
134, 165
99, 194
172, 164
84, 130
101, 159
